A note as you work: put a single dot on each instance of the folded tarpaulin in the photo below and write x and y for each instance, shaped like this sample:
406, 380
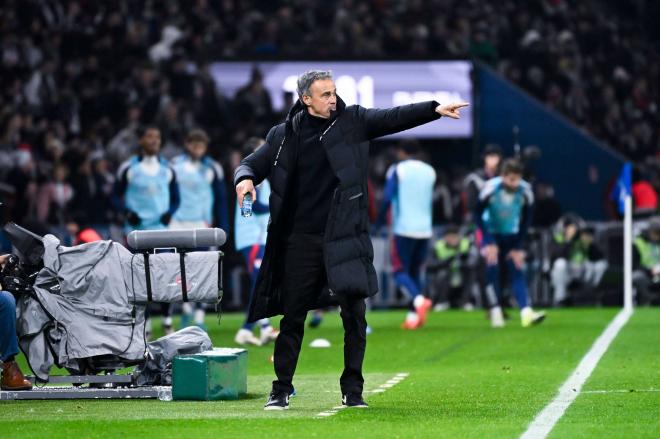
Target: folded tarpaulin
157, 370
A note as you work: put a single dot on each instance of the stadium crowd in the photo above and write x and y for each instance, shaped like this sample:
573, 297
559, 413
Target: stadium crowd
82, 77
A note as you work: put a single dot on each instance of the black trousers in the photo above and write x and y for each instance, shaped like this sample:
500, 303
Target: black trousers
304, 277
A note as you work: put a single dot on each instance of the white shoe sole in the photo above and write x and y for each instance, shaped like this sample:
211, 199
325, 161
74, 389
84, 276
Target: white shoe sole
275, 408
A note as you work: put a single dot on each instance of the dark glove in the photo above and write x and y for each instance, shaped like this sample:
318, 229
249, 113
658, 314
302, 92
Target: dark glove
133, 218
166, 218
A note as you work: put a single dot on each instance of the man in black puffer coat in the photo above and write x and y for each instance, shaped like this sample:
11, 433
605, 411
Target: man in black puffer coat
318, 235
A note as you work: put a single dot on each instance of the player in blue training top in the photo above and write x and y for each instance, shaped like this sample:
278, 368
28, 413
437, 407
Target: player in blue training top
250, 238
203, 200
503, 213
409, 190
146, 190
201, 185
147, 193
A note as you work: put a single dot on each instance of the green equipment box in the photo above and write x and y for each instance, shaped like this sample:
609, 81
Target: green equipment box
213, 375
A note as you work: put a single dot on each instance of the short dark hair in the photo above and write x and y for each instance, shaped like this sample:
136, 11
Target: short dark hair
141, 130
588, 230
492, 149
512, 166
197, 135
451, 229
409, 146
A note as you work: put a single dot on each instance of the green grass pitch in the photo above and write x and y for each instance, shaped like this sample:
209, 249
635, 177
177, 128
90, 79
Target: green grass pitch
465, 380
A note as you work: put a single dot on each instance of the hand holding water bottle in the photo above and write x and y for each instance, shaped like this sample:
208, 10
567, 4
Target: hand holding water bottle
246, 210
244, 188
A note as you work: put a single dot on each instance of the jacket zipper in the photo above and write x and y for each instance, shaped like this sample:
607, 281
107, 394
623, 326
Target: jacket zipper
335, 199
326, 130
277, 157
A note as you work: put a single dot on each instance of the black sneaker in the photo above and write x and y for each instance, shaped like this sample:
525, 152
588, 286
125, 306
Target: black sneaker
353, 400
277, 401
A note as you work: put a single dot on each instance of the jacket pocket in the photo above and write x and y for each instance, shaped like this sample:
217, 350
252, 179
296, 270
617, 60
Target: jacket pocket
346, 265
346, 218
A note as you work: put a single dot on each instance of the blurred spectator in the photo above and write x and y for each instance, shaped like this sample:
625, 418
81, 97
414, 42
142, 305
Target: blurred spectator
451, 271
104, 182
475, 181
646, 263
443, 208
22, 186
547, 209
93, 190
78, 227
253, 104
54, 197
645, 198
575, 257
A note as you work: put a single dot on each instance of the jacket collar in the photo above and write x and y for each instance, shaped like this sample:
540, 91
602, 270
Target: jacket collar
296, 113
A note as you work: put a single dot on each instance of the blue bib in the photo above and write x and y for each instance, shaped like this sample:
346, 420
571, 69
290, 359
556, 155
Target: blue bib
195, 189
148, 195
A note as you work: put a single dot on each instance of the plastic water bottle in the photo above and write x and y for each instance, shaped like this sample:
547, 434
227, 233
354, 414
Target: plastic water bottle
246, 210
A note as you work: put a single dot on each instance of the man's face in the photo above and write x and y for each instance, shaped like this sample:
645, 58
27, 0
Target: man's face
511, 181
196, 149
587, 238
491, 162
654, 236
150, 141
452, 239
323, 98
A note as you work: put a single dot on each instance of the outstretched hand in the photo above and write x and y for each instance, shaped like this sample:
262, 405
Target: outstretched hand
451, 110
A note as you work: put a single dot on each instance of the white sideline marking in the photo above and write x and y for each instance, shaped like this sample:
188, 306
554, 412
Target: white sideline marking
380, 389
545, 421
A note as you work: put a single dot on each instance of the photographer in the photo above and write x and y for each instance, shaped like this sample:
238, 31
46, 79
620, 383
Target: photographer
12, 377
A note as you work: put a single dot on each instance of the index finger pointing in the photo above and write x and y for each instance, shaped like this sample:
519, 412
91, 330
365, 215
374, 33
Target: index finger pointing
461, 104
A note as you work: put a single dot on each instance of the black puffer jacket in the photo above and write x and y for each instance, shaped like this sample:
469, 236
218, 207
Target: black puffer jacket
348, 250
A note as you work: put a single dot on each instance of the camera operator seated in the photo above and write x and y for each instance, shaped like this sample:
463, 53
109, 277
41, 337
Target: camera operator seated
451, 271
576, 257
12, 377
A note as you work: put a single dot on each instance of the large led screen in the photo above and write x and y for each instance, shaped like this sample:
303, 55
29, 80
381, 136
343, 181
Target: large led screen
370, 84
